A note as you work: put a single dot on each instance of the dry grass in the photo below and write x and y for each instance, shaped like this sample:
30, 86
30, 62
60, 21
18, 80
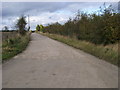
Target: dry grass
13, 45
7, 35
108, 53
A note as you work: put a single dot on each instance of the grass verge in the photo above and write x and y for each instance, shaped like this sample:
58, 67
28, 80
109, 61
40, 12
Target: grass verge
108, 53
13, 46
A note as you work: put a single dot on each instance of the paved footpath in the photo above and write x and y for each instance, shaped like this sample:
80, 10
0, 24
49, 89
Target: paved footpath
47, 63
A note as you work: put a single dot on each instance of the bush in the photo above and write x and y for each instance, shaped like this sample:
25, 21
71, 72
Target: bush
98, 29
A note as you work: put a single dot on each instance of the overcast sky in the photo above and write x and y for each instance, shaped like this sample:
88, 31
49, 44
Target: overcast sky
45, 12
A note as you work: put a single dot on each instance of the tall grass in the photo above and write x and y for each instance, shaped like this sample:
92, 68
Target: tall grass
13, 46
108, 53
7, 35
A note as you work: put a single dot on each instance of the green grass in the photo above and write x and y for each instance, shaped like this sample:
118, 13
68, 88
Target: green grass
13, 46
108, 53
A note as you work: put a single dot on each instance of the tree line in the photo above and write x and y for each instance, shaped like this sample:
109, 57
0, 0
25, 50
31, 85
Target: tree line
101, 28
20, 26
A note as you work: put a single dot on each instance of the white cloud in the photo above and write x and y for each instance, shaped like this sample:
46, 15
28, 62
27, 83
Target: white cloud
49, 17
44, 13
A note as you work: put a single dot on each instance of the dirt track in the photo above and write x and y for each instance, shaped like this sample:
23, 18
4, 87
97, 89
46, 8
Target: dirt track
47, 63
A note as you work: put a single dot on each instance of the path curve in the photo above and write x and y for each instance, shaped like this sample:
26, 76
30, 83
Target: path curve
47, 63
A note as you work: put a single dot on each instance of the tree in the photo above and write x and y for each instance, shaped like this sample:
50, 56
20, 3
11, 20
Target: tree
102, 28
5, 28
41, 28
37, 28
29, 28
21, 23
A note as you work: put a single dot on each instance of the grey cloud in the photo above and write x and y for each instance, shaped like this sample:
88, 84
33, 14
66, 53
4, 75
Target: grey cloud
12, 10
15, 8
33, 8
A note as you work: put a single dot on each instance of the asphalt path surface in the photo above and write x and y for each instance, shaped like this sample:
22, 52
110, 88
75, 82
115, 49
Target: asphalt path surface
47, 63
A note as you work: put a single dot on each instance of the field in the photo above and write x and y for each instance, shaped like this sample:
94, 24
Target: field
7, 35
12, 44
